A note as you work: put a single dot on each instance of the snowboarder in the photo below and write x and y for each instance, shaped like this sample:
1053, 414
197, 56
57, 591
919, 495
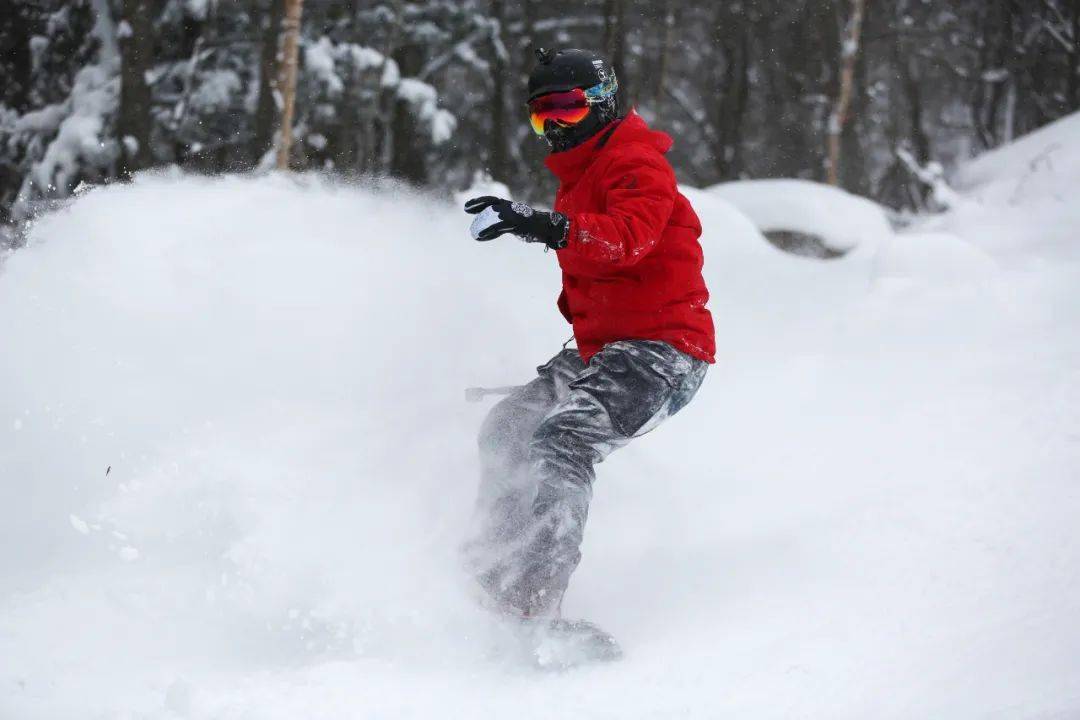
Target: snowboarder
627, 243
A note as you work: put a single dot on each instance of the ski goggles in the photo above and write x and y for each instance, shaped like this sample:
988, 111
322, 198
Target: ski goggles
569, 107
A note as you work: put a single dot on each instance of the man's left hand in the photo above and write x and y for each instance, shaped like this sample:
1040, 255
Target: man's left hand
519, 219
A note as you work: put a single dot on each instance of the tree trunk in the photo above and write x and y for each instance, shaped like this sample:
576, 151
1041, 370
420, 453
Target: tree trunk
615, 37
994, 57
663, 59
852, 172
407, 160
134, 120
15, 28
999, 89
1008, 129
266, 109
839, 116
920, 141
731, 36
1074, 76
978, 92
908, 193
287, 78
499, 155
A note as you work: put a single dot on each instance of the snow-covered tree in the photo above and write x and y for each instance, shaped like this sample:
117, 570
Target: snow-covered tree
432, 91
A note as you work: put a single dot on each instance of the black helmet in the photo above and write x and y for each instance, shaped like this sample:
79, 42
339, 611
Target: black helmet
563, 70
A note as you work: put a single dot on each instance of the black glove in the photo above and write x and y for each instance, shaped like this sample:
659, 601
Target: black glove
550, 228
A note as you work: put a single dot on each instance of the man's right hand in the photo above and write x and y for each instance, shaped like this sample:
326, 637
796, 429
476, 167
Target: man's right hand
519, 219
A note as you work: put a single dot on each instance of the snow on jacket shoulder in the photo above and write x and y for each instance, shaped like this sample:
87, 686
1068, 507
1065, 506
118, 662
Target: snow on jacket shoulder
632, 264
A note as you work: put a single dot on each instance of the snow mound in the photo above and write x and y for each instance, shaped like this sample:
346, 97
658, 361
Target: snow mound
1020, 200
841, 220
236, 465
935, 258
1045, 161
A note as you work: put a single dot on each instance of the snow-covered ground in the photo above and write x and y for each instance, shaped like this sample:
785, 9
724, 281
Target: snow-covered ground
236, 463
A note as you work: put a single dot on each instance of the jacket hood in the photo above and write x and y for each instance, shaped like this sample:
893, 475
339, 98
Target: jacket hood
632, 129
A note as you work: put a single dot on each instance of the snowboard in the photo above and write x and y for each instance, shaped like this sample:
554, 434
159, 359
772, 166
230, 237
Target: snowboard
564, 644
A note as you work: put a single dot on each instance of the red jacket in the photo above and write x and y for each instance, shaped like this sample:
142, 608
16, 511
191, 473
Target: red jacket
632, 264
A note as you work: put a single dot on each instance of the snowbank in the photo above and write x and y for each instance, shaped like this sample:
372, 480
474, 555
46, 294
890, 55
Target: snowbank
843, 223
236, 464
841, 220
1021, 199
1050, 156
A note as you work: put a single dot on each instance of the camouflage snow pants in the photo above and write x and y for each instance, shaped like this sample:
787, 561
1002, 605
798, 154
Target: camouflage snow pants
538, 447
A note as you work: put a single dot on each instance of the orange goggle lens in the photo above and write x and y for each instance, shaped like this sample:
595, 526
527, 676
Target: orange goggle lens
565, 108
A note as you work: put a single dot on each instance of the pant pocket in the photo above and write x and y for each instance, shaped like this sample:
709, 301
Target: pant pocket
633, 385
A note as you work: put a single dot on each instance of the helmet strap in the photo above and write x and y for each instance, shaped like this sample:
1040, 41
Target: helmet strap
600, 115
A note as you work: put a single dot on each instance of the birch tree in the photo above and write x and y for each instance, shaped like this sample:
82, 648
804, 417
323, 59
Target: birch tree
287, 78
839, 116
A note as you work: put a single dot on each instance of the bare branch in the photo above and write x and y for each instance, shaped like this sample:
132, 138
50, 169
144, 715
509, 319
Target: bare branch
440, 61
1056, 11
701, 120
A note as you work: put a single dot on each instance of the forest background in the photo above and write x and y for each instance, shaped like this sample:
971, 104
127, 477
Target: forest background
431, 93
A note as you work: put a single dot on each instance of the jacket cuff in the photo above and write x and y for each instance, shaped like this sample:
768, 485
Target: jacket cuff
562, 224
